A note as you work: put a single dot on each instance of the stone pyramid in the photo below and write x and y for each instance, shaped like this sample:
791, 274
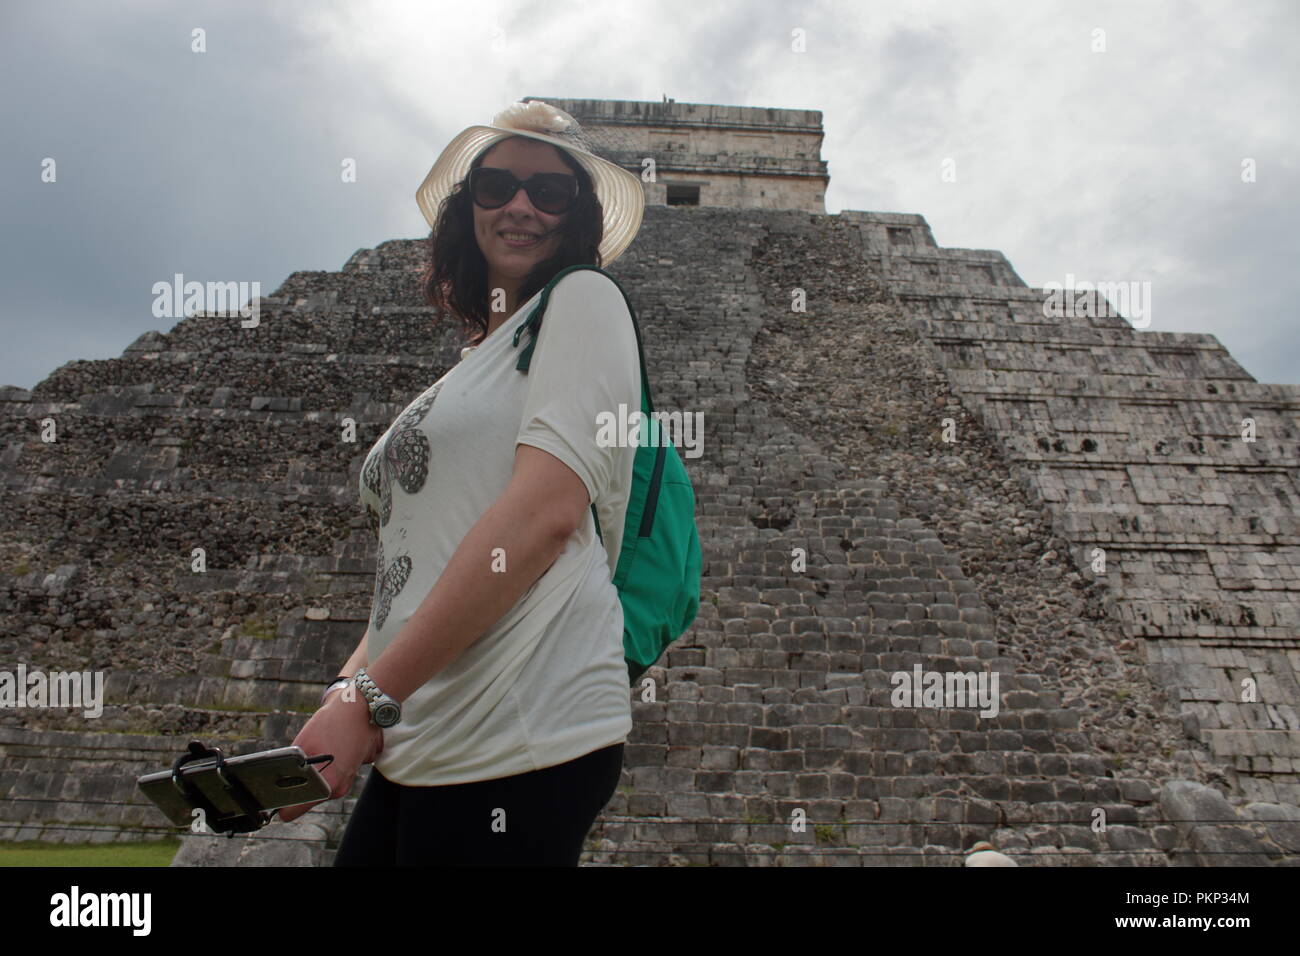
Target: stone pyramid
950, 462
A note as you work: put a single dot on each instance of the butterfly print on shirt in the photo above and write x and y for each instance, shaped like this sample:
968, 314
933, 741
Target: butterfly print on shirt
404, 457
389, 581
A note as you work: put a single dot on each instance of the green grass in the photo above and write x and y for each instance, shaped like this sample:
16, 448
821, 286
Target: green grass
826, 832
36, 853
259, 626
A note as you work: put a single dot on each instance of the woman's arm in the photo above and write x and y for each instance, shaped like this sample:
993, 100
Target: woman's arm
530, 522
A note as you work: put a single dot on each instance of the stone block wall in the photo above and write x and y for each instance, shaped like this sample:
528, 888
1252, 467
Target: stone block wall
740, 157
845, 540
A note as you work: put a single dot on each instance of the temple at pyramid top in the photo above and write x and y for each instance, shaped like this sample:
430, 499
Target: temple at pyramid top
707, 155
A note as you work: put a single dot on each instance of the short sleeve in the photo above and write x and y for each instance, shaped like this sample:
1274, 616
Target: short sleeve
584, 366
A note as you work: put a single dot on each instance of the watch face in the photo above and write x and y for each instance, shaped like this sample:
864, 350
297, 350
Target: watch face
387, 714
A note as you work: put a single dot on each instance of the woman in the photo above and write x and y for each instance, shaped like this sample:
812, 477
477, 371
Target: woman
495, 640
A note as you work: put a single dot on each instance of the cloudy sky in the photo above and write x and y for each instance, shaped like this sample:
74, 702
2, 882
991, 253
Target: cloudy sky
1104, 140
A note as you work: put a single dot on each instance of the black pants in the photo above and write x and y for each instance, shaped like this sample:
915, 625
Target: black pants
539, 818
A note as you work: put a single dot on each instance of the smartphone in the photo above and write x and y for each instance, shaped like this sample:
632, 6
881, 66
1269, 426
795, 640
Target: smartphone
274, 778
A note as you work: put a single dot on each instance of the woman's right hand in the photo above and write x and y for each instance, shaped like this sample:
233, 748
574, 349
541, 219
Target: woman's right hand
340, 727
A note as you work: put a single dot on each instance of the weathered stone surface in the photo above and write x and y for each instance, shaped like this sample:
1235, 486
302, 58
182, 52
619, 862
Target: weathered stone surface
209, 850
1145, 693
1187, 804
733, 156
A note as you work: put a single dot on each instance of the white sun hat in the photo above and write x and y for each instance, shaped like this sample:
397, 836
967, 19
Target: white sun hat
621, 196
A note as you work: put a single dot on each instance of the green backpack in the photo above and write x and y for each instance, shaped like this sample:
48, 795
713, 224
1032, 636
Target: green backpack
658, 570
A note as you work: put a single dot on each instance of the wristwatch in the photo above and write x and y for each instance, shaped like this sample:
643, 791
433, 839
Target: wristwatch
384, 711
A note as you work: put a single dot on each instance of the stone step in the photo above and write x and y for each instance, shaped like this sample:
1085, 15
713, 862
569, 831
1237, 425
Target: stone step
1176, 527
929, 301
244, 379
1092, 436
997, 335
1131, 358
924, 268
1037, 384
1233, 615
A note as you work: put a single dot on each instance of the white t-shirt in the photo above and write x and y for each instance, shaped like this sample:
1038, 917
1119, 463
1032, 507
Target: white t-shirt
546, 683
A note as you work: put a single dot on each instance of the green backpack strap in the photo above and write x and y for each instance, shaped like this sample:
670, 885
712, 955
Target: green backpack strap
657, 572
534, 323
533, 327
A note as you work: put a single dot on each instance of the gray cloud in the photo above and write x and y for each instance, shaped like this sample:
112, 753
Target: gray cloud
225, 165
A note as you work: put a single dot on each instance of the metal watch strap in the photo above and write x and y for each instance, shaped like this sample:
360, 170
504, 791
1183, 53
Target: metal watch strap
384, 710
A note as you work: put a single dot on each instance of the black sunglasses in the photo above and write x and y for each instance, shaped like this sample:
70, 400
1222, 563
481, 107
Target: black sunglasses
551, 193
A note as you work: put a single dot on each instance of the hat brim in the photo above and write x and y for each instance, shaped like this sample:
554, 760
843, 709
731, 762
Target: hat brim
621, 197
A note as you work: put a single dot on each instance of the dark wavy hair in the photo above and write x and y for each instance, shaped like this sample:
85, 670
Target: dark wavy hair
455, 280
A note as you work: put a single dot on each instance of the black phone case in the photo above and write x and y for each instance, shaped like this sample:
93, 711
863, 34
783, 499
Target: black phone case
272, 778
